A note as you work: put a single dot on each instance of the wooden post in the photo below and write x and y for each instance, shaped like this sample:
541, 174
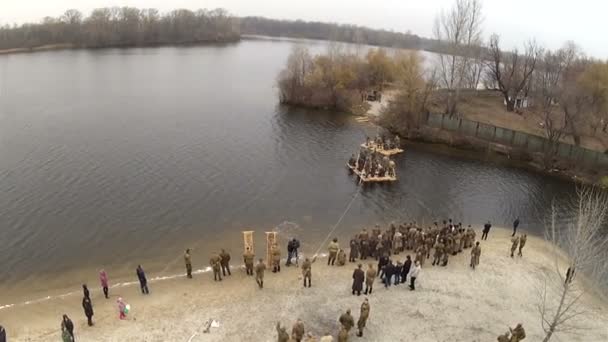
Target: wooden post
271, 239
248, 240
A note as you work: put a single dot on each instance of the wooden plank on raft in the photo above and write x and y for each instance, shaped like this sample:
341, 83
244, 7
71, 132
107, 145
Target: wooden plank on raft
372, 179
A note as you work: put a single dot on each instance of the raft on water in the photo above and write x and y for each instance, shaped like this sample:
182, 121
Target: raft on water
372, 147
371, 179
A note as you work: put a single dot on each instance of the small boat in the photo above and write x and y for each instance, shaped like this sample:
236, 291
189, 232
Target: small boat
371, 179
372, 147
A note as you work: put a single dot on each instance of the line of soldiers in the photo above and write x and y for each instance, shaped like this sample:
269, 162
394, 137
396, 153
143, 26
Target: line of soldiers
346, 320
372, 164
383, 142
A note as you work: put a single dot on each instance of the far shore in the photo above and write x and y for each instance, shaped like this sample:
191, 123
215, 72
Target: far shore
452, 303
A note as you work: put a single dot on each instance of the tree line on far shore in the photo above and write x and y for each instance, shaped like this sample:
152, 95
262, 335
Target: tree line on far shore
123, 26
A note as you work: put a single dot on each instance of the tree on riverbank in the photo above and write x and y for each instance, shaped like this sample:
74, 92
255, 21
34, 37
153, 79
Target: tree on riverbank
579, 235
123, 26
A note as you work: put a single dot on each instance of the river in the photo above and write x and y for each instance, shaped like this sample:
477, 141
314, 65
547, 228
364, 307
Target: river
112, 158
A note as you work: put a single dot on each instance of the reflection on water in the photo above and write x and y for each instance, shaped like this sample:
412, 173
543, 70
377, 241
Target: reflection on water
117, 157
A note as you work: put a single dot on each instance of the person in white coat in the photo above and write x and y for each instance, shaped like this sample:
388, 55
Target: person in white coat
413, 274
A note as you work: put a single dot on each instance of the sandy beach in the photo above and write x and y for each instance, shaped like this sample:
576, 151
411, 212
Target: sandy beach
452, 303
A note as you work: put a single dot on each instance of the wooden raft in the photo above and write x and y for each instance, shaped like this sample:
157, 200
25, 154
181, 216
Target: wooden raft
372, 179
372, 147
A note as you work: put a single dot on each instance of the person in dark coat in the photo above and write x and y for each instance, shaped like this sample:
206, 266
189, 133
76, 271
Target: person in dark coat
87, 305
292, 251
85, 291
358, 279
143, 282
388, 273
486, 230
354, 250
364, 249
2, 334
406, 269
67, 325
383, 261
515, 225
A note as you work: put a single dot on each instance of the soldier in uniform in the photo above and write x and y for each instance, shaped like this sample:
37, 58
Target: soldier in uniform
363, 317
188, 261
342, 335
514, 243
259, 273
370, 276
517, 334
215, 263
307, 271
354, 250
248, 257
439, 246
522, 243
341, 258
297, 331
347, 321
276, 258
225, 262
504, 337
475, 254
364, 235
333, 249
364, 249
358, 279
283, 336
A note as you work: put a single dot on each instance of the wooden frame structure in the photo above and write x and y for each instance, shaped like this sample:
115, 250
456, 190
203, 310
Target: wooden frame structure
271, 239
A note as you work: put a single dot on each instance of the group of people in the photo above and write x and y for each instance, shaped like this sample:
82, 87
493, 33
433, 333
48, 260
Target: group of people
372, 164
346, 320
383, 142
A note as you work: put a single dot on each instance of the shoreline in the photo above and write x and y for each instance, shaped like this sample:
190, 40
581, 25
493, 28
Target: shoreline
498, 294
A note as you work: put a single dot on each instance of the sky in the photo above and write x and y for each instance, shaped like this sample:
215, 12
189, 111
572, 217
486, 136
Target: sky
550, 22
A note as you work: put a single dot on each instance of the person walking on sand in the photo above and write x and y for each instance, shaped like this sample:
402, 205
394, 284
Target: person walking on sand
225, 262
2, 334
341, 257
248, 257
358, 279
333, 249
354, 250
475, 254
87, 305
406, 268
307, 271
121, 308
215, 263
486, 230
143, 281
514, 243
275, 251
297, 331
259, 273
188, 262
103, 279
363, 316
522, 243
515, 225
68, 325
370, 276
292, 251
413, 274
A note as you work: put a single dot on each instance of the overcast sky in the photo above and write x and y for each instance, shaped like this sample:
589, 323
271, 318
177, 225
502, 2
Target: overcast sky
551, 22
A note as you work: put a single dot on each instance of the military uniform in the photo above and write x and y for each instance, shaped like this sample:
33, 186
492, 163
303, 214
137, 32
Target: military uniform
283, 336
475, 253
259, 273
297, 332
514, 243
439, 247
333, 249
370, 276
522, 243
225, 262
307, 271
341, 258
363, 317
343, 335
216, 266
354, 250
347, 321
276, 258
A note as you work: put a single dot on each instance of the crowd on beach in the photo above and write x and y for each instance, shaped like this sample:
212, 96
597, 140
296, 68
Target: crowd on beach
433, 244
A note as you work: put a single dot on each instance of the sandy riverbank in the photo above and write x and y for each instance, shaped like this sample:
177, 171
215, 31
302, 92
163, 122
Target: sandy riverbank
450, 304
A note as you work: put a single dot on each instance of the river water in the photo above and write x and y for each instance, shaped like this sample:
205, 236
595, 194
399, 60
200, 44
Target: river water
111, 158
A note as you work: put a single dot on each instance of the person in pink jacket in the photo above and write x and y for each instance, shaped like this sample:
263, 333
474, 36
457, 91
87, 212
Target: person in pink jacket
121, 308
103, 279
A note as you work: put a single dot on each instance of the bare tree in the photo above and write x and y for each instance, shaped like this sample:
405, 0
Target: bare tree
459, 31
510, 72
577, 231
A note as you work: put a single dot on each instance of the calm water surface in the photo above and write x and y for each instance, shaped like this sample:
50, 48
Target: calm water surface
112, 158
